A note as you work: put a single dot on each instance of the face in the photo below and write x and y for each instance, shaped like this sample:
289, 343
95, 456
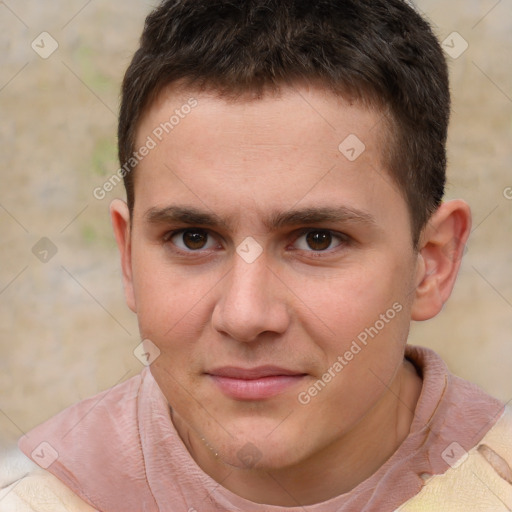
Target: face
271, 268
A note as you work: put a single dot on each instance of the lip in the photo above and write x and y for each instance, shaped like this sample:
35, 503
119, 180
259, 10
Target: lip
256, 383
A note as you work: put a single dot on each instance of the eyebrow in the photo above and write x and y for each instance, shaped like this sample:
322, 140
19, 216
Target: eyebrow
182, 215
319, 215
312, 215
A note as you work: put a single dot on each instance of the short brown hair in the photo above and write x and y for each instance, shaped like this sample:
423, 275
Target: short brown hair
381, 52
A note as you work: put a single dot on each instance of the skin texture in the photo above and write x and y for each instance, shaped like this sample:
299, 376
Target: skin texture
246, 161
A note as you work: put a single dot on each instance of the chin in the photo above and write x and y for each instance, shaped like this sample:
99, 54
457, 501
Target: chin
249, 456
263, 447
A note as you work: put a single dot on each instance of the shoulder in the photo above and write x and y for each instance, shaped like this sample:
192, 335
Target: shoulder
105, 411
83, 452
26, 487
478, 479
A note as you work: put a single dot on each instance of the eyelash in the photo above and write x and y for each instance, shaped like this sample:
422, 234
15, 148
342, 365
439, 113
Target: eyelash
343, 239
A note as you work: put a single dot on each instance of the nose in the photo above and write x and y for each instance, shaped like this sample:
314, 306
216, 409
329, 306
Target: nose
252, 302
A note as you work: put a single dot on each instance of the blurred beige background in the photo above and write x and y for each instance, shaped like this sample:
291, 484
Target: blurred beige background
65, 332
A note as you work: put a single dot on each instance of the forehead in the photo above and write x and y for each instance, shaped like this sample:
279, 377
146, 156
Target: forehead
299, 145
310, 111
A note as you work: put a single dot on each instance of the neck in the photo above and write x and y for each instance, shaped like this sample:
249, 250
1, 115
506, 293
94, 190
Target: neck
339, 467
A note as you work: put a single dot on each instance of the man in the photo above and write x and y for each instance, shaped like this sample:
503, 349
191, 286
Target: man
284, 164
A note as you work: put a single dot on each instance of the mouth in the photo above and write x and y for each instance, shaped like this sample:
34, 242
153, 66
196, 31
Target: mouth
254, 383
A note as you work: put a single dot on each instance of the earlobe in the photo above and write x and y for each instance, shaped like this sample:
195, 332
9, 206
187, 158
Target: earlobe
120, 217
441, 249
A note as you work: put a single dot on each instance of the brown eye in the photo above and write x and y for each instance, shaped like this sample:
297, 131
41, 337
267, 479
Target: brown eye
192, 240
319, 240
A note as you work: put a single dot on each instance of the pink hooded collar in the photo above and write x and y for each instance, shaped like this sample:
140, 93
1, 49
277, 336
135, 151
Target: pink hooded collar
119, 450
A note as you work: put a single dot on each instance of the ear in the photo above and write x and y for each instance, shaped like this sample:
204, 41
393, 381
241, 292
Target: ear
120, 216
441, 248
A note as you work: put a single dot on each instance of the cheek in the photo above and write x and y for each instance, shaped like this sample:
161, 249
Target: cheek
165, 296
361, 363
361, 321
353, 299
